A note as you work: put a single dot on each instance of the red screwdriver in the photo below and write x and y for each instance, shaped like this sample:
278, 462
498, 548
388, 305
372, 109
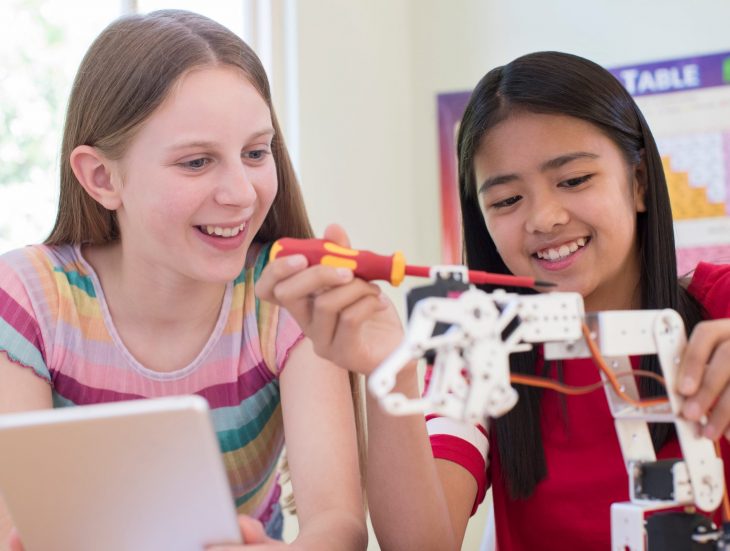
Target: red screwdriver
370, 266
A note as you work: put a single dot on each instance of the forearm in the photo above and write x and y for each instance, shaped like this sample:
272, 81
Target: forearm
322, 453
332, 530
407, 503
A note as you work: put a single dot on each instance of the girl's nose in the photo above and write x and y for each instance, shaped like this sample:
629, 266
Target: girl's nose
545, 215
236, 188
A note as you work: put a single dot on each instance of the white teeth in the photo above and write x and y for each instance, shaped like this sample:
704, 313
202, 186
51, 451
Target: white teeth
223, 232
563, 251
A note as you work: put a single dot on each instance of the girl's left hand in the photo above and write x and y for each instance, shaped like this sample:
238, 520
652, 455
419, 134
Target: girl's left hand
704, 377
254, 537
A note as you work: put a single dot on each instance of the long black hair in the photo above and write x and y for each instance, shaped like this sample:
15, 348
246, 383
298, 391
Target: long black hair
564, 84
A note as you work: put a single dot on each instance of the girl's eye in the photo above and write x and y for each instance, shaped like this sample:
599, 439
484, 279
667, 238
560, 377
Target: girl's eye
575, 182
256, 154
196, 164
504, 203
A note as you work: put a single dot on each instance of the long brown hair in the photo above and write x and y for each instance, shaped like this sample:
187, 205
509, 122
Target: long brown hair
126, 74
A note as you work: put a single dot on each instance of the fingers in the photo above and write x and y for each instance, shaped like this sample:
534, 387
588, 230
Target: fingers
700, 347
252, 533
311, 283
320, 277
14, 543
704, 375
712, 394
298, 292
276, 271
719, 420
288, 284
340, 311
337, 234
276, 545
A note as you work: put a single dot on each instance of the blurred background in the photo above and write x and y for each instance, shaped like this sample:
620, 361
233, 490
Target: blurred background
355, 87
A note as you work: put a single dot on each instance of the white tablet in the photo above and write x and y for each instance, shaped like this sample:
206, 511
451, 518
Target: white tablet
125, 476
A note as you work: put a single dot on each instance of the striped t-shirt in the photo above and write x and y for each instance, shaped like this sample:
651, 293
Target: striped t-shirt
54, 319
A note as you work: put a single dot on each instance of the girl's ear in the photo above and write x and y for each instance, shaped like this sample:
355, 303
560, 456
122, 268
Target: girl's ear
94, 172
640, 184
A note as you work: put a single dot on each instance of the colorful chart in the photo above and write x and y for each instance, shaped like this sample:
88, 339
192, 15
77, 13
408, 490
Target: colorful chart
687, 105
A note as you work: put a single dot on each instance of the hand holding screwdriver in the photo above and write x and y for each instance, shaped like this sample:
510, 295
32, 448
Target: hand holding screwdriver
371, 266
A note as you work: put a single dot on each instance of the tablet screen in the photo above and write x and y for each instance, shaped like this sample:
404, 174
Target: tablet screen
137, 475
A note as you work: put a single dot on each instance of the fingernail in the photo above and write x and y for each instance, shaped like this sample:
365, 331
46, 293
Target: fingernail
687, 385
344, 274
691, 411
296, 260
709, 432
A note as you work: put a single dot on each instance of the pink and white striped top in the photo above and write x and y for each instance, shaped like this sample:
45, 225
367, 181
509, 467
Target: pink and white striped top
54, 320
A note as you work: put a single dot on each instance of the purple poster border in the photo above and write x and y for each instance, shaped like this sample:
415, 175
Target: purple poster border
675, 75
450, 110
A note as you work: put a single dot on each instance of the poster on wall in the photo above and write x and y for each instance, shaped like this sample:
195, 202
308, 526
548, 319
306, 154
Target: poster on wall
687, 105
450, 109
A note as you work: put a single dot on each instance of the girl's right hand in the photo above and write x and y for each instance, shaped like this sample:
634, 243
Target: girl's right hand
254, 538
349, 321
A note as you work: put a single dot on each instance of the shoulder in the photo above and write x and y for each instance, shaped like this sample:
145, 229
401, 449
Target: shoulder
29, 300
38, 275
19, 258
29, 265
41, 257
710, 285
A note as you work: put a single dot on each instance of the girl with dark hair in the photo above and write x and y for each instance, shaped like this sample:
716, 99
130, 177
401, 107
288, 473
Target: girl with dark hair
174, 176
560, 179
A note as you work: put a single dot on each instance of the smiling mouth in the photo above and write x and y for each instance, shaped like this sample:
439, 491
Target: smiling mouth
220, 231
553, 254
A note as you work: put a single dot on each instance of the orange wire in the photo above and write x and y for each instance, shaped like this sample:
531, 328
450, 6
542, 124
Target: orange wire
542, 382
610, 375
644, 403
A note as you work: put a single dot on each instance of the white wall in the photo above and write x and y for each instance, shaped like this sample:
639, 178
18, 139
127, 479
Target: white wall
355, 117
370, 70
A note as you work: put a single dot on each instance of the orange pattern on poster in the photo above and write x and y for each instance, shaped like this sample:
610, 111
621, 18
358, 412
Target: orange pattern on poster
688, 201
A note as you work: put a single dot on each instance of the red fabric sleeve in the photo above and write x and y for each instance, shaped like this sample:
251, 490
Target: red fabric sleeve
462, 453
711, 286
